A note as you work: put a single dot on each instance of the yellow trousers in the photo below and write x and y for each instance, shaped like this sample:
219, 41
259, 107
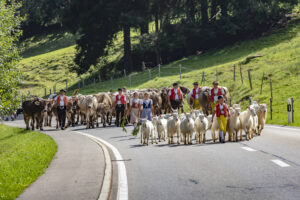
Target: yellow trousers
213, 105
197, 105
222, 121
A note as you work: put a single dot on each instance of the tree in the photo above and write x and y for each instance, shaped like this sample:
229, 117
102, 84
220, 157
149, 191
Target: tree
9, 55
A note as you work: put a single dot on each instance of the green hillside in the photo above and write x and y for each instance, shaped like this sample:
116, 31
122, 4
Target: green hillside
280, 59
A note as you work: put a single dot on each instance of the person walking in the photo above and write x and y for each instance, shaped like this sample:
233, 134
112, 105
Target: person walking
120, 107
215, 92
175, 98
134, 109
194, 93
221, 111
148, 109
62, 102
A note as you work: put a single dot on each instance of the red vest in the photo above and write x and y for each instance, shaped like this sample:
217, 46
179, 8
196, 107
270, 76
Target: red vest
135, 105
213, 93
194, 92
218, 111
65, 100
122, 99
173, 94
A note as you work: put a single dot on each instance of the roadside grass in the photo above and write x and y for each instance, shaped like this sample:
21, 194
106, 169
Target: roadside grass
24, 156
280, 60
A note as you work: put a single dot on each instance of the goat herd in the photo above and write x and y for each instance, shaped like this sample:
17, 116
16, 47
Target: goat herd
87, 109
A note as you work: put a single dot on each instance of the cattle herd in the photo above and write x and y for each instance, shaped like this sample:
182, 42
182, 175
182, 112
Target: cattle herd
166, 124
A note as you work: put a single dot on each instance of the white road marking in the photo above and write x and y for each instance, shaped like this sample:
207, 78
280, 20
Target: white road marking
122, 175
287, 128
248, 149
280, 163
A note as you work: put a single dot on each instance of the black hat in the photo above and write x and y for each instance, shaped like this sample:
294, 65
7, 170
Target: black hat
62, 90
220, 97
120, 89
195, 83
174, 84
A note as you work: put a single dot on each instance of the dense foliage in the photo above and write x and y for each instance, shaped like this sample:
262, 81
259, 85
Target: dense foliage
9, 55
183, 27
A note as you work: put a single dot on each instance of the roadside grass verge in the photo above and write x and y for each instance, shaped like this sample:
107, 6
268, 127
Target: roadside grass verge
24, 156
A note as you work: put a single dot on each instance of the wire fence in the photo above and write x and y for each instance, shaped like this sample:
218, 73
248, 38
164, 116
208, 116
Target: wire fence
245, 82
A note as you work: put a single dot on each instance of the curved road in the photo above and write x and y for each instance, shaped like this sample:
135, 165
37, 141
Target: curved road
267, 167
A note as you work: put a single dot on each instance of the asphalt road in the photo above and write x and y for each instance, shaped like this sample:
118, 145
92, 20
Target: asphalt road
267, 167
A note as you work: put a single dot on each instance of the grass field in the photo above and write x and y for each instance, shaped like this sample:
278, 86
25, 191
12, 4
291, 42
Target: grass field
280, 60
24, 156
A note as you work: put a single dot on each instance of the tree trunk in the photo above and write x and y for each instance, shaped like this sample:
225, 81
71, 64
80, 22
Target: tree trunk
204, 13
213, 10
127, 49
223, 5
191, 10
156, 22
144, 28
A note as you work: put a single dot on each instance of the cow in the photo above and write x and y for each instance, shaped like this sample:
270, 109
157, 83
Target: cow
33, 110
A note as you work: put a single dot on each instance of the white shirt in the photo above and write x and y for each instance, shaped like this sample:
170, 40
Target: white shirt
176, 94
221, 108
136, 101
197, 93
119, 99
61, 103
216, 94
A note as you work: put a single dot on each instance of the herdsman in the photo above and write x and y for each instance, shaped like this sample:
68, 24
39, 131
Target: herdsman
175, 97
120, 107
215, 92
221, 111
194, 93
62, 102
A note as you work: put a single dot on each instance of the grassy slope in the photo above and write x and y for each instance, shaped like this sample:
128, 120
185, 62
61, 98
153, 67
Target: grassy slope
280, 52
24, 156
48, 59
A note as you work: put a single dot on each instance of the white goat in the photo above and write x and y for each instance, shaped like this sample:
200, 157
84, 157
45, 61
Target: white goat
173, 127
262, 116
246, 118
234, 124
187, 129
147, 130
201, 126
160, 124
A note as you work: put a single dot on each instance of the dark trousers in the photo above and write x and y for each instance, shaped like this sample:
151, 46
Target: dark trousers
176, 105
61, 116
119, 111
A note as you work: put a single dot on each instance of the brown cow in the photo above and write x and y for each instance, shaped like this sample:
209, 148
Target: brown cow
33, 110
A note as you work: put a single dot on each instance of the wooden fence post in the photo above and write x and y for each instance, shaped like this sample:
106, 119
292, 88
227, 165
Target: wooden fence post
249, 77
271, 88
66, 85
262, 82
149, 71
180, 70
99, 78
271, 108
234, 72
241, 74
158, 70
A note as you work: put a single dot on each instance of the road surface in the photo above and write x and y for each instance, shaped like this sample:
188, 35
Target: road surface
267, 167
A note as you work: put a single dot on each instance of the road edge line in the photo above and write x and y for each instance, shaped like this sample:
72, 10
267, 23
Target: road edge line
107, 179
122, 174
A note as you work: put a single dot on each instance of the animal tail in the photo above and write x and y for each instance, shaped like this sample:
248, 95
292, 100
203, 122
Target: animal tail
75, 92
